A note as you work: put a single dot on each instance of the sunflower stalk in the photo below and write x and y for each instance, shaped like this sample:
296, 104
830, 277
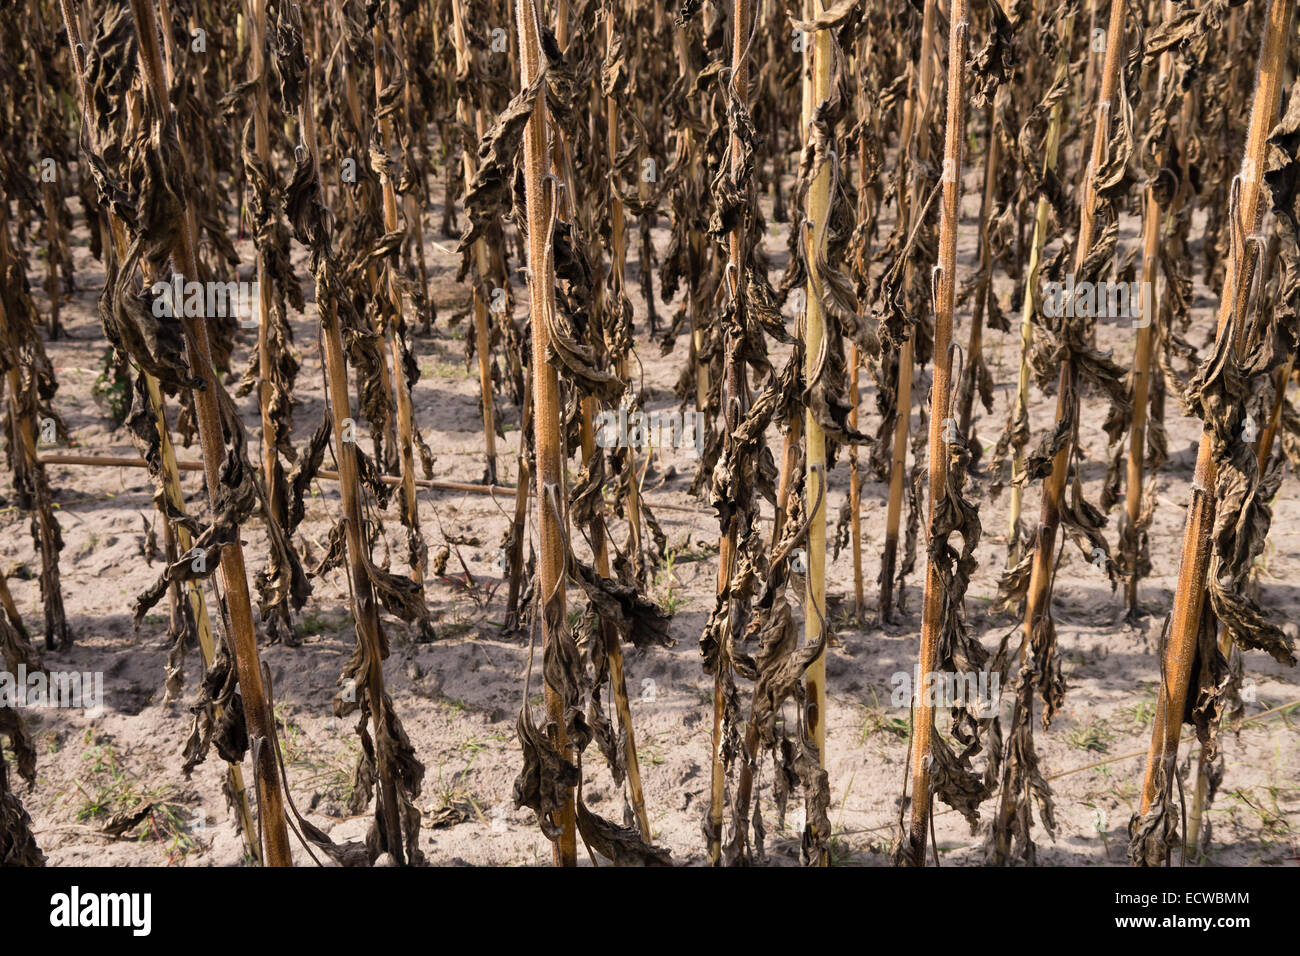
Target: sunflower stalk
471, 117
395, 326
1133, 532
1019, 423
239, 612
540, 199
1152, 824
914, 138
934, 605
180, 539
818, 92
24, 406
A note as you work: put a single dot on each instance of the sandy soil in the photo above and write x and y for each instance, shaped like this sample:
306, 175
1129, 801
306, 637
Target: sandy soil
458, 697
